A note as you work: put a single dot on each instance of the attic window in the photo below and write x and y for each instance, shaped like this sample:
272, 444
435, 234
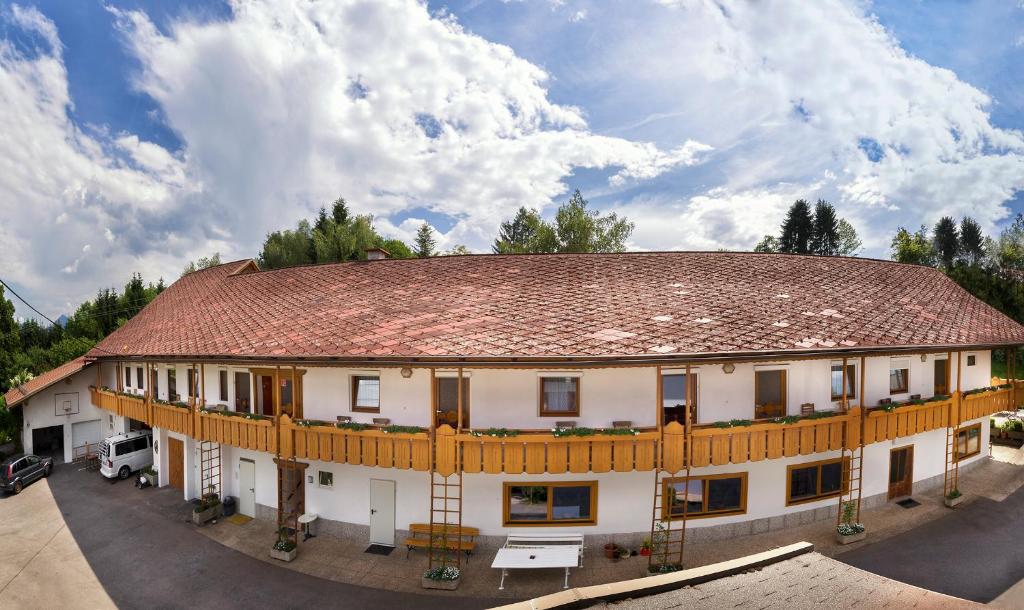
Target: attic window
248, 266
972, 360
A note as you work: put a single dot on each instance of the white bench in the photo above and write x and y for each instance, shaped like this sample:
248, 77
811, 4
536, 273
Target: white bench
532, 551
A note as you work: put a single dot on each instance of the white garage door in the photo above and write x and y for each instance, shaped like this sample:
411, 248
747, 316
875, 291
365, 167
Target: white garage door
86, 432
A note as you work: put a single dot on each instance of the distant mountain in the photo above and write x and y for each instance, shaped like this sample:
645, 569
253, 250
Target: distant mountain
62, 321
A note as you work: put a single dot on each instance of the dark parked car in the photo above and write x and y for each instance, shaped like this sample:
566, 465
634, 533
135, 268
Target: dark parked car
20, 470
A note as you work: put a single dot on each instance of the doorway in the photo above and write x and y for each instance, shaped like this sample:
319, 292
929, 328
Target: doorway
247, 487
901, 472
941, 377
267, 394
382, 512
176, 463
447, 389
49, 442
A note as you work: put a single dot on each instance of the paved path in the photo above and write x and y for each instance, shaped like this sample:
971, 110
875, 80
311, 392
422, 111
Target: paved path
973, 552
77, 540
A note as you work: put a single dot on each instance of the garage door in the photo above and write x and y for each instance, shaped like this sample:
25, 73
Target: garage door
86, 432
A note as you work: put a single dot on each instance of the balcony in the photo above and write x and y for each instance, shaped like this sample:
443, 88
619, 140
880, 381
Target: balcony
992, 400
238, 430
127, 405
383, 447
180, 419
536, 453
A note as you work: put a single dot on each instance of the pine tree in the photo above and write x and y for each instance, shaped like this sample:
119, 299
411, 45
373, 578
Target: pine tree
519, 235
972, 241
947, 241
825, 234
339, 211
10, 342
797, 229
425, 243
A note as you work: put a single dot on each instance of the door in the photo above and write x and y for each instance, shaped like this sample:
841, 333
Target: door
33, 468
247, 488
941, 377
447, 401
176, 463
86, 434
382, 512
901, 472
267, 389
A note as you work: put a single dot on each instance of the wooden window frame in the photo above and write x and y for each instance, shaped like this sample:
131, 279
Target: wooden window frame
222, 384
139, 378
541, 405
666, 513
127, 377
354, 394
906, 387
467, 385
549, 522
956, 441
844, 483
692, 389
785, 392
851, 374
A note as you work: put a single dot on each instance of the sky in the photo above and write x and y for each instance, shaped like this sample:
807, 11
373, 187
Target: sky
136, 136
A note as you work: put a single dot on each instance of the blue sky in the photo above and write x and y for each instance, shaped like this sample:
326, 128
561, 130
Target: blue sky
162, 132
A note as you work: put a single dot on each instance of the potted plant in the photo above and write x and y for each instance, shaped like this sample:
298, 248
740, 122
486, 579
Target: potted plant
953, 498
1014, 429
624, 553
848, 531
208, 508
611, 550
151, 476
645, 547
285, 548
442, 577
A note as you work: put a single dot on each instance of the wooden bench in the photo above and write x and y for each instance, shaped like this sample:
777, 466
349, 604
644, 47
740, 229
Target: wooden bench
421, 533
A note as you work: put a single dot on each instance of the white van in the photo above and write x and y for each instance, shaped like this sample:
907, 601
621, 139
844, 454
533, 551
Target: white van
123, 454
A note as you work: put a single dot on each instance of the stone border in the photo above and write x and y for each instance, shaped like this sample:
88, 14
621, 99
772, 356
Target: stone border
584, 597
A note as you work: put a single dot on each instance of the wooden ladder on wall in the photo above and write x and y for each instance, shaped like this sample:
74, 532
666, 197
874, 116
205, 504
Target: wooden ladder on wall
668, 524
291, 498
445, 519
951, 480
210, 466
853, 474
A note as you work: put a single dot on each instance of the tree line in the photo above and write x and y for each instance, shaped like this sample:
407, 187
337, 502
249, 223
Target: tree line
820, 232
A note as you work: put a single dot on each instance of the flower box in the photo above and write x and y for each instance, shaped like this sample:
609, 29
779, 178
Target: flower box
951, 502
283, 555
851, 538
201, 517
444, 585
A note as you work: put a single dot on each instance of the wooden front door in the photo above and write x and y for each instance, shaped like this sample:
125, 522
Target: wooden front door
901, 472
176, 463
267, 388
941, 377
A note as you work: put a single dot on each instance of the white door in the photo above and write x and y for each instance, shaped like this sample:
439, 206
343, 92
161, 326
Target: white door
247, 488
382, 512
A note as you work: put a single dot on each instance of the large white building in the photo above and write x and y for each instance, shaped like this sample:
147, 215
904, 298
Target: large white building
335, 390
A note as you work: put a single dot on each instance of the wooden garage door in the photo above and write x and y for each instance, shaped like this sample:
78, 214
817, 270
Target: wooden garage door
176, 463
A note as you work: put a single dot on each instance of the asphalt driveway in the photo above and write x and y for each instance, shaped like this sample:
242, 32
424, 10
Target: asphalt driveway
974, 552
144, 555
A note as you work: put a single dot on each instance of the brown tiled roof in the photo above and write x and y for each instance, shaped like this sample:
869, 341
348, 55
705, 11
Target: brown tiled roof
560, 305
15, 395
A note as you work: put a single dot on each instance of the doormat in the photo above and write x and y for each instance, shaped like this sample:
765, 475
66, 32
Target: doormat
239, 519
379, 549
909, 503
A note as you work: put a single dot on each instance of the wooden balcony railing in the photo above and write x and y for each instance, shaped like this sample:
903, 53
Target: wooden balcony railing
714, 446
371, 447
539, 453
125, 405
906, 420
257, 434
172, 417
981, 404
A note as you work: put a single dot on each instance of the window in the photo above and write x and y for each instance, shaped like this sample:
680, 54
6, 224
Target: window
366, 393
899, 377
154, 383
673, 397
172, 385
814, 481
968, 442
127, 376
552, 503
243, 398
32, 460
191, 376
138, 378
837, 381
769, 394
223, 386
560, 396
972, 360
708, 496
448, 401
325, 479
